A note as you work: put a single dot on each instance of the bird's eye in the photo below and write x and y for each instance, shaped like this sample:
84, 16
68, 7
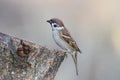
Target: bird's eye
55, 25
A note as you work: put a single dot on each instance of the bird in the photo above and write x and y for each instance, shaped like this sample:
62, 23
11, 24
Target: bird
63, 39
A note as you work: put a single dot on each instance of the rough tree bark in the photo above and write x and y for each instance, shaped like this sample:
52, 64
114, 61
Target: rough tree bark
23, 60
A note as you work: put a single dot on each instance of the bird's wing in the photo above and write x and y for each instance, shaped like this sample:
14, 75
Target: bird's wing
65, 35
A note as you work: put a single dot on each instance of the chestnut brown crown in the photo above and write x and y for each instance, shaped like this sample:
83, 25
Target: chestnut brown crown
56, 20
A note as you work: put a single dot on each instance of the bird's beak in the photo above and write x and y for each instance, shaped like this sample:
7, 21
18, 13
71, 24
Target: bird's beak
49, 21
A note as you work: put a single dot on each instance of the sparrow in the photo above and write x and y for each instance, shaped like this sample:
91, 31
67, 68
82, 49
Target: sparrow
63, 39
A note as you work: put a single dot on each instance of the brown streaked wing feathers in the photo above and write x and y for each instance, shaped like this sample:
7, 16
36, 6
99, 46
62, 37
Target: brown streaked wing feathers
66, 36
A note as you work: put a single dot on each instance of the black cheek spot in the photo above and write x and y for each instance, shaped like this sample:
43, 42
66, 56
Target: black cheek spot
55, 25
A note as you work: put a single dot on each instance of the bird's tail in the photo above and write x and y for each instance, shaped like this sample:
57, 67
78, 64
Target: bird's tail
74, 56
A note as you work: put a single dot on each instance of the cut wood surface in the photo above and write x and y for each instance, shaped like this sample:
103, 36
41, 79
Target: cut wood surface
24, 60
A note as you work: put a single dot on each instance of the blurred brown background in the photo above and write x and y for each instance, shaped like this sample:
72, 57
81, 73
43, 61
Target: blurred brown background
94, 24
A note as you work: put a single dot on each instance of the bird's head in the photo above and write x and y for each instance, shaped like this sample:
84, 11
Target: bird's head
56, 24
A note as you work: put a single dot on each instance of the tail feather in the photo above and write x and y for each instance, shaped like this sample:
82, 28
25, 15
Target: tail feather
74, 56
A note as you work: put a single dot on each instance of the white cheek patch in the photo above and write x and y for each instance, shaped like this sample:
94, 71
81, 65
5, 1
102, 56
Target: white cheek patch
53, 24
60, 28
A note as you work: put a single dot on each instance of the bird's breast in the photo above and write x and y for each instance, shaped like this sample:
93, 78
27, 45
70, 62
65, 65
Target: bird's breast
59, 41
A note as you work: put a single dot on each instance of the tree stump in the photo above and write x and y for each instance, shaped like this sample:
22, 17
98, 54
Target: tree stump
24, 60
